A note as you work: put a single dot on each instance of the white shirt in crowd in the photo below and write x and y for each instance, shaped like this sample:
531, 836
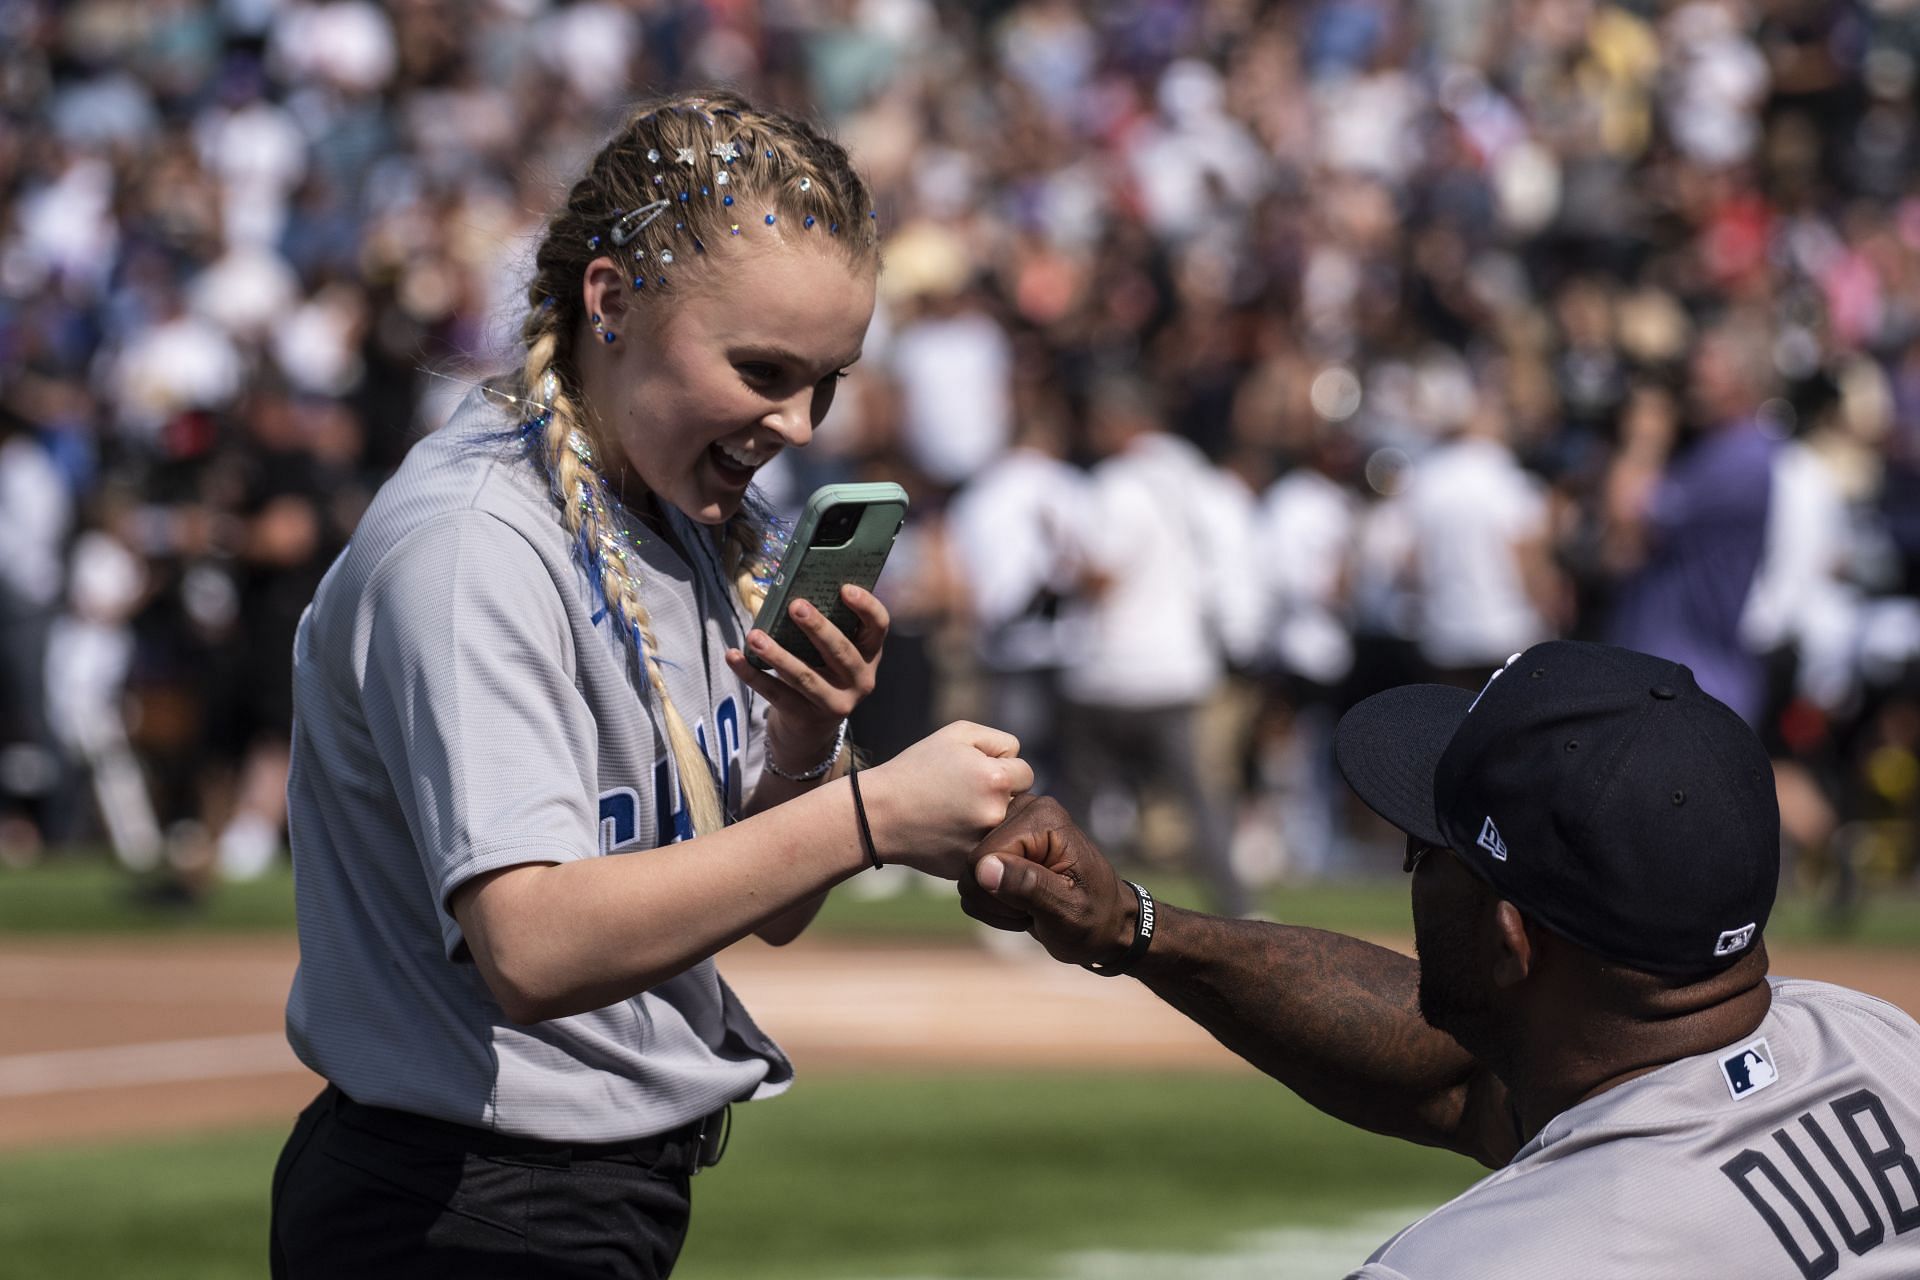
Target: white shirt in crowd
1014, 528
1223, 513
955, 377
1807, 539
35, 511
1149, 637
1470, 506
1307, 523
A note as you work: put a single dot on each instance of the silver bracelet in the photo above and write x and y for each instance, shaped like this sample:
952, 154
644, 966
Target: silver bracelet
818, 771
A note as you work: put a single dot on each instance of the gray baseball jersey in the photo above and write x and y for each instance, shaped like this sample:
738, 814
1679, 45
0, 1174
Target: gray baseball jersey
1790, 1154
463, 705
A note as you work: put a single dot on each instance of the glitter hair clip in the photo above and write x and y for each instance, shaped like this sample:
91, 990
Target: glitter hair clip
639, 220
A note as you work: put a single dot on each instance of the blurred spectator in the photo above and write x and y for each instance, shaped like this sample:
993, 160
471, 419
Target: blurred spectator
1701, 525
1016, 530
1152, 653
35, 512
954, 364
1307, 526
1482, 566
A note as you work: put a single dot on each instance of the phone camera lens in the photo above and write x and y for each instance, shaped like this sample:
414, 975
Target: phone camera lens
836, 527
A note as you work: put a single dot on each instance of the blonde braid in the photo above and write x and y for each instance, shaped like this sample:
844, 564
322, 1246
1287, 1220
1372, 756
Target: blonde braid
753, 547
585, 510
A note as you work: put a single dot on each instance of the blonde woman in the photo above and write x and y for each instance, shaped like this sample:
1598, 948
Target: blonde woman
531, 657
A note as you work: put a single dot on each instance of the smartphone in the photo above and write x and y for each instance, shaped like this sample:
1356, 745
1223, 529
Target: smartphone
844, 535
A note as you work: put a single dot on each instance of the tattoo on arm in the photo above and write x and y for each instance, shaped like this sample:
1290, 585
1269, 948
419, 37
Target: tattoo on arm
1335, 1019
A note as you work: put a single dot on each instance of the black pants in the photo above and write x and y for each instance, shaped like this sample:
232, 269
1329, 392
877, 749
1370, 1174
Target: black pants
365, 1193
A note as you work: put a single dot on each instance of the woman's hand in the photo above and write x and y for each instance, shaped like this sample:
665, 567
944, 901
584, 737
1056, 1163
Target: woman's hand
806, 704
931, 804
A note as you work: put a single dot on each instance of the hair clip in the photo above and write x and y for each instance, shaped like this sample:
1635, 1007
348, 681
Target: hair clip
769, 154
656, 179
581, 448
809, 221
728, 152
833, 228
593, 241
683, 197
634, 223
684, 155
666, 257
726, 200
769, 219
549, 388
653, 155
706, 190
736, 228
806, 184
639, 282
722, 178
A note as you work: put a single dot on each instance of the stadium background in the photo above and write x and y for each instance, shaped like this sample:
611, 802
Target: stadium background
249, 250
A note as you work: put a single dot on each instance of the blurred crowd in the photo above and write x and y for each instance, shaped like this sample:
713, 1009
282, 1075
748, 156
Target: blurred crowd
1241, 359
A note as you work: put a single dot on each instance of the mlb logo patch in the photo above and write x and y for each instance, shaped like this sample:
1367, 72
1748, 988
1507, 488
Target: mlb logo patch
1734, 940
1490, 841
1749, 1069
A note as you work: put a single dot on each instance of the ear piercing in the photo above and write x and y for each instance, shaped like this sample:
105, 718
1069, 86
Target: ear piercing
606, 335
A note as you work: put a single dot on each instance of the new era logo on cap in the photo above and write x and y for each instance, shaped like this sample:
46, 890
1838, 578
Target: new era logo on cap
1734, 940
1749, 1069
1490, 841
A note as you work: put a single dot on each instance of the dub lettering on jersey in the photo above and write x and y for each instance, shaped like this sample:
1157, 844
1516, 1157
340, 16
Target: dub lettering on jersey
672, 820
1862, 1120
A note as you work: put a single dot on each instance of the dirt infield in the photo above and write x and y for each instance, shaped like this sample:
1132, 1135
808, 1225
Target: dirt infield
103, 1039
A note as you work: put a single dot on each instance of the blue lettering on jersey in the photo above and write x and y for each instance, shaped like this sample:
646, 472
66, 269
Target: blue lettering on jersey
727, 719
672, 818
619, 818
670, 811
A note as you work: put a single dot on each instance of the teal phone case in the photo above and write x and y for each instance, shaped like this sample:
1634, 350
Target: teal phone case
816, 573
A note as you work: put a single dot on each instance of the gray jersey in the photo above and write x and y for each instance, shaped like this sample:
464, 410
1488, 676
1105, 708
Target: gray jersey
463, 705
1790, 1154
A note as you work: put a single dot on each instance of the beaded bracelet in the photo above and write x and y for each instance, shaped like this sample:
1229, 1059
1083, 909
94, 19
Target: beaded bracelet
818, 771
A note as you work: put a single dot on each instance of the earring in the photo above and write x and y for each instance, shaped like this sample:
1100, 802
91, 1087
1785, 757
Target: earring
601, 329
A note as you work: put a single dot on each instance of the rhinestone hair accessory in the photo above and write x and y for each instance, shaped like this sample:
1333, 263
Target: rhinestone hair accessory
632, 224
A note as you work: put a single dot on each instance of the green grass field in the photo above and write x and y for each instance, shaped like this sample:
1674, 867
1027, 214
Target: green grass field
941, 1176
72, 895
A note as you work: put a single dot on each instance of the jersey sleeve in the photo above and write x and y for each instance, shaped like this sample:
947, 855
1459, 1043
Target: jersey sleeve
468, 694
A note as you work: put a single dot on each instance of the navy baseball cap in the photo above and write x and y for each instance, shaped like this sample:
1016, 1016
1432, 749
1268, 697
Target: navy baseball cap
1597, 789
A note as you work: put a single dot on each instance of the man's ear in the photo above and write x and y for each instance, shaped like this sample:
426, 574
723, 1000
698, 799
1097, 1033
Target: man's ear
1514, 955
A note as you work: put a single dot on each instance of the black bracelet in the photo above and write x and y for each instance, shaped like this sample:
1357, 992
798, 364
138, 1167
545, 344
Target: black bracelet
1142, 935
860, 812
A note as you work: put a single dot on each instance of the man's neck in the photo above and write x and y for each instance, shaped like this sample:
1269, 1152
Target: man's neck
1577, 1054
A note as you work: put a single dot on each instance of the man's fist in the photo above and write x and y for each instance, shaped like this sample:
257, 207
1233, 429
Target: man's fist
1037, 872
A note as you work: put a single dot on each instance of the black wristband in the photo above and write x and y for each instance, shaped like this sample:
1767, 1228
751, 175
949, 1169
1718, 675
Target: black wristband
1142, 935
860, 812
